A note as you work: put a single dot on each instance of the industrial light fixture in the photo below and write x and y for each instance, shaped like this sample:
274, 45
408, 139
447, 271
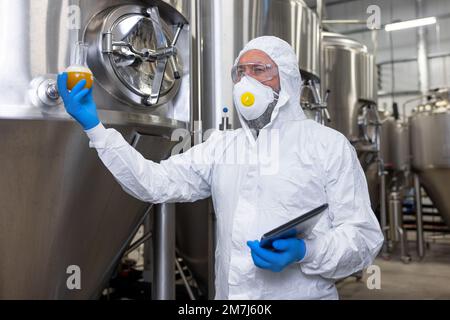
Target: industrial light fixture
410, 24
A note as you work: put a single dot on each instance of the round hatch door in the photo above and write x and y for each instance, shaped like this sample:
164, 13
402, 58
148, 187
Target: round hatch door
133, 55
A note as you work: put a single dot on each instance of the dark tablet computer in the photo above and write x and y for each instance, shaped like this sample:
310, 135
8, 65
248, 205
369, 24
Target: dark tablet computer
299, 227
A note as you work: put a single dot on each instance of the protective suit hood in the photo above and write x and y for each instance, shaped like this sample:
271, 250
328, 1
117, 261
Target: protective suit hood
288, 106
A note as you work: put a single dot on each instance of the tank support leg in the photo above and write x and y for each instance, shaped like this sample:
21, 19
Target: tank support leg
164, 253
419, 221
383, 215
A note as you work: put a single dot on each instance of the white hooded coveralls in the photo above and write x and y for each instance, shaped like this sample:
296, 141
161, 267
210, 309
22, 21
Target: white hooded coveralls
309, 165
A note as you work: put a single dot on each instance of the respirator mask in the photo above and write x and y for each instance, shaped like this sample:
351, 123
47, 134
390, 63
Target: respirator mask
251, 96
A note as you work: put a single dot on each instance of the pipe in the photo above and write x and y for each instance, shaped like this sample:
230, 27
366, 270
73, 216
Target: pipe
444, 64
422, 58
419, 219
333, 3
398, 232
212, 227
138, 243
164, 253
185, 281
398, 93
393, 237
383, 213
408, 102
148, 248
196, 50
320, 8
404, 60
344, 21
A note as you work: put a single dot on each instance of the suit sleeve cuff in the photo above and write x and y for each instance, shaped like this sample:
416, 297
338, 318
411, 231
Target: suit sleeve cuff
98, 136
312, 245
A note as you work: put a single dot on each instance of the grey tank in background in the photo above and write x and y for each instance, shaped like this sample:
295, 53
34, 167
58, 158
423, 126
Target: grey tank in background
349, 73
430, 144
221, 29
224, 27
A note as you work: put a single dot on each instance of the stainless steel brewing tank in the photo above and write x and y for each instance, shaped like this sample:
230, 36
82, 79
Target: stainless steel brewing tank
395, 145
348, 71
221, 29
430, 144
224, 27
60, 209
291, 21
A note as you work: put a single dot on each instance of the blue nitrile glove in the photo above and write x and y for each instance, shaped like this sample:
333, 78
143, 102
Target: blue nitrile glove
287, 251
79, 102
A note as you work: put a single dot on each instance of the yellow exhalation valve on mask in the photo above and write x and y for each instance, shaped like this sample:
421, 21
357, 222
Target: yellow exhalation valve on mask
252, 98
248, 99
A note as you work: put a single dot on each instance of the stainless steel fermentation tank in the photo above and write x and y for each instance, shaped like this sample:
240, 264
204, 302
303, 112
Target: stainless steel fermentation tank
396, 157
430, 144
395, 144
222, 28
59, 207
348, 73
225, 26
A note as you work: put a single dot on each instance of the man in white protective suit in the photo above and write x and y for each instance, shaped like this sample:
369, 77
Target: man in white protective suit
307, 165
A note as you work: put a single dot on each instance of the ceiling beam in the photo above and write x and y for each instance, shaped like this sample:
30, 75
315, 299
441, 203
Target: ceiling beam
334, 3
362, 30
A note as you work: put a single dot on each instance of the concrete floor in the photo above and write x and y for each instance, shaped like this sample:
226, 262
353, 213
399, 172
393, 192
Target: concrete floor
426, 279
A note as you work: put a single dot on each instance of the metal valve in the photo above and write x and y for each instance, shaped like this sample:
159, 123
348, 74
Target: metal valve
43, 92
319, 104
365, 123
52, 91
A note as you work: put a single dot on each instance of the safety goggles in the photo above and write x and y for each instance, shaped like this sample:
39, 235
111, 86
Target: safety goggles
259, 71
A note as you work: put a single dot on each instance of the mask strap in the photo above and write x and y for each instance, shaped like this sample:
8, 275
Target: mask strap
276, 95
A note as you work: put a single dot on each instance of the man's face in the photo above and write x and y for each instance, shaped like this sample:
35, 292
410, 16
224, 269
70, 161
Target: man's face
260, 57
